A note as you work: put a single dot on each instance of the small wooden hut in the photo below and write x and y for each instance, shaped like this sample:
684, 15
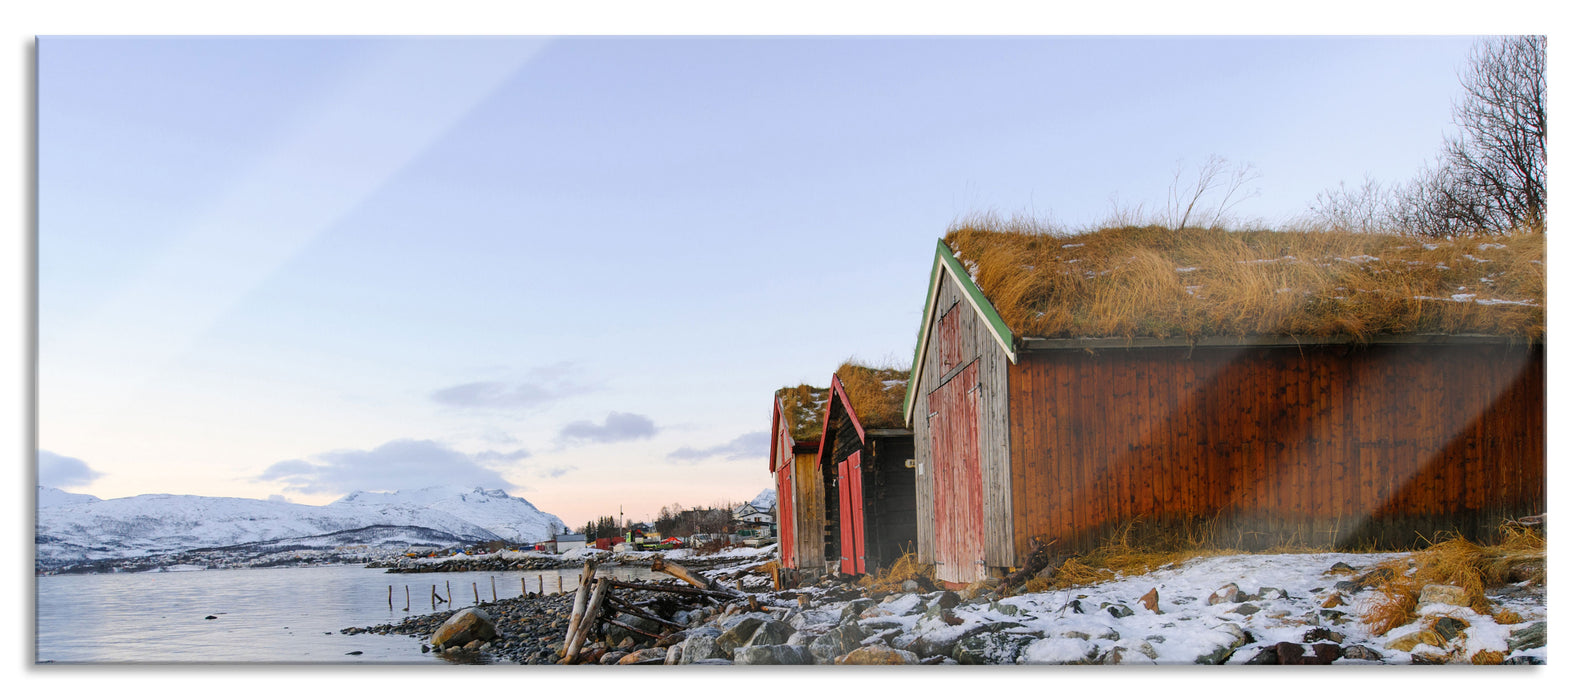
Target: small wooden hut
864, 454
799, 483
1246, 389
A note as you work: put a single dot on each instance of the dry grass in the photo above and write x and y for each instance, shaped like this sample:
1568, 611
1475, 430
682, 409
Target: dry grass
1157, 282
803, 406
1453, 561
904, 569
876, 393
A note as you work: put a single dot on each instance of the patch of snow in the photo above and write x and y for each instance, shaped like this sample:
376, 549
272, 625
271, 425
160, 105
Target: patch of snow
1073, 245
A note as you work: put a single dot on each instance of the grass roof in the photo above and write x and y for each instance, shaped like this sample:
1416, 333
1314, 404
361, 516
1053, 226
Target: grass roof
876, 394
1162, 283
803, 407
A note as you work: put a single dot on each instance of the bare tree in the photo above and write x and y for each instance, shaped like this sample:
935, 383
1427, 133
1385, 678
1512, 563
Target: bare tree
1493, 174
1216, 173
1364, 209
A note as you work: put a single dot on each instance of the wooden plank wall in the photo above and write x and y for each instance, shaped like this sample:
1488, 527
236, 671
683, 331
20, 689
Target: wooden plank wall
977, 343
1324, 446
808, 484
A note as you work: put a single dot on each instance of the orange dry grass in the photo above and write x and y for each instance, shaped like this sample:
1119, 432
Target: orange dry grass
890, 580
876, 393
1158, 282
1454, 561
804, 410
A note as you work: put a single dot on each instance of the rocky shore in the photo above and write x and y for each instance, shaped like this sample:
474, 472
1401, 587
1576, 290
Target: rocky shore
1245, 609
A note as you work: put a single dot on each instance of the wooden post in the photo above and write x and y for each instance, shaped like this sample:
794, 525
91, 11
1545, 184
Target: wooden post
431, 596
579, 605
474, 592
408, 598
684, 574
447, 594
589, 619
391, 596
541, 584
524, 586
494, 594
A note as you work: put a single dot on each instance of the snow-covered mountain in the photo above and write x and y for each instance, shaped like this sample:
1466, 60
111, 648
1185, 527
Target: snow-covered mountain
764, 500
71, 528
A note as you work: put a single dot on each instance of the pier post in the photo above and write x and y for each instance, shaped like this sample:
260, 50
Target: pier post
524, 586
541, 584
390, 596
492, 592
475, 593
431, 596
447, 594
408, 598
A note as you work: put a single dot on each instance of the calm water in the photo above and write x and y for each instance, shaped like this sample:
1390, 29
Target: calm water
262, 615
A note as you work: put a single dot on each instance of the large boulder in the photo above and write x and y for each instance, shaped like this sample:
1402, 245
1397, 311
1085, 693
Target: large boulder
1435, 593
773, 655
771, 633
701, 646
739, 634
467, 625
617, 634
836, 643
877, 655
992, 648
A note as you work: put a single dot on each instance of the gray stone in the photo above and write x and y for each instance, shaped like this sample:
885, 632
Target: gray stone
771, 633
699, 647
854, 608
673, 655
1228, 593
992, 648
1449, 627
878, 655
1246, 609
646, 657
1358, 652
1531, 636
1270, 593
836, 643
1122, 655
738, 634
773, 655
1322, 634
1007, 609
467, 625
909, 586
1433, 593
1119, 610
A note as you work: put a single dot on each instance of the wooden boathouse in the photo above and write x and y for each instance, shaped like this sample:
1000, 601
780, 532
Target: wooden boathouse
864, 454
1254, 389
799, 482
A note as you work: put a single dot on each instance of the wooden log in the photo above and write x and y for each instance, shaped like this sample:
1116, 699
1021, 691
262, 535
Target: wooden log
475, 600
1035, 562
541, 584
589, 619
630, 628
391, 596
408, 598
681, 590
685, 574
579, 605
447, 594
630, 609
493, 594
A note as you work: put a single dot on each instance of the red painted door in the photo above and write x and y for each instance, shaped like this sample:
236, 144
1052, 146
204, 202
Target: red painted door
851, 522
958, 478
783, 492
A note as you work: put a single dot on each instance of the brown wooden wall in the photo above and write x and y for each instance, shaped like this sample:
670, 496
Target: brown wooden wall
1327, 445
808, 503
977, 342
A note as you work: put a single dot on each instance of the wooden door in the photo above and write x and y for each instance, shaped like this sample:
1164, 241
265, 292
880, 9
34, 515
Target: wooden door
851, 520
958, 478
787, 534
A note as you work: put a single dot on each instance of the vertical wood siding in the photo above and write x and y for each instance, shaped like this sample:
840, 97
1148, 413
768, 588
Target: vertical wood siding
808, 487
1324, 446
976, 342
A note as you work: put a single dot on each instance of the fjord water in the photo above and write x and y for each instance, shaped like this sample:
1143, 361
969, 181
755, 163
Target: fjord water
261, 615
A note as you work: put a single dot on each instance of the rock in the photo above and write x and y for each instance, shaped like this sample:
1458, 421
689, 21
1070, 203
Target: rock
1410, 641
1007, 609
1433, 593
738, 634
646, 657
1246, 609
1271, 593
467, 625
701, 646
836, 643
909, 586
1320, 634
1150, 600
771, 633
1229, 593
1332, 601
354, 653
473, 645
773, 654
1531, 636
1522, 661
1267, 656
673, 655
1341, 569
1325, 653
1448, 627
211, 617
855, 608
1348, 587
1358, 652
877, 655
1237, 639
616, 635
948, 600
1124, 656
992, 648
613, 657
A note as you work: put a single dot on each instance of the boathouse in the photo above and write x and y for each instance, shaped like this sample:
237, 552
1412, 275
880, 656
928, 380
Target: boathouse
867, 452
1244, 389
799, 484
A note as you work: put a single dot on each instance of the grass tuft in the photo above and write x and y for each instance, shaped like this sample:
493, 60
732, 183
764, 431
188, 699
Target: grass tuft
876, 393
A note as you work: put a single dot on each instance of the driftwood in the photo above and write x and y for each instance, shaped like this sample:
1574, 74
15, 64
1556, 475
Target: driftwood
580, 604
679, 590
632, 629
637, 612
696, 579
590, 617
1036, 560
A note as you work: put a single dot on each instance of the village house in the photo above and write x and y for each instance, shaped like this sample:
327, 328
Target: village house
866, 453
749, 520
795, 427
1248, 389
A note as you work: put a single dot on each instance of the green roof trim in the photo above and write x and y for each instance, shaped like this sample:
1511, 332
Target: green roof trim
945, 258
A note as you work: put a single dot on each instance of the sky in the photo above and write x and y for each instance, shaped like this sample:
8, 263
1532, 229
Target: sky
577, 268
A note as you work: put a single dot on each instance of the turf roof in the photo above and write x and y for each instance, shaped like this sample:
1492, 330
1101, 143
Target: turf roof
803, 408
876, 394
1160, 283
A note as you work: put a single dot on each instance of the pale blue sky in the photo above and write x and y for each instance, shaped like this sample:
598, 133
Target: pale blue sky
584, 264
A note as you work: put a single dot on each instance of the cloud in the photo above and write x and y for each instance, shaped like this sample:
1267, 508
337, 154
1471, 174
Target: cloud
496, 458
60, 471
556, 472
748, 446
398, 464
545, 385
617, 427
